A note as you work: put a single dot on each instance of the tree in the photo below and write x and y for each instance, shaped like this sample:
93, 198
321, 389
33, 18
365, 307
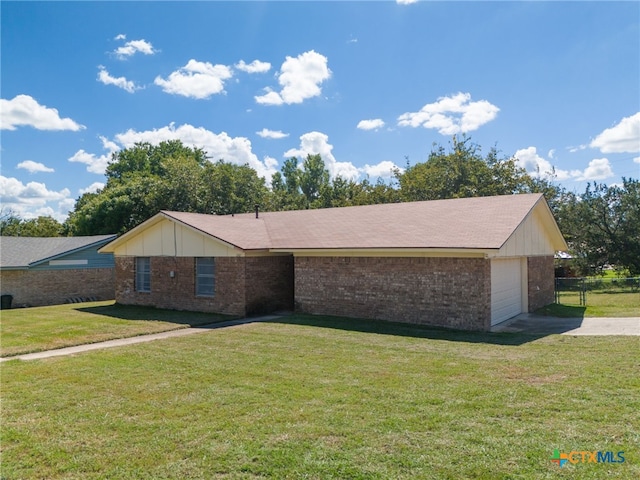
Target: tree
43, 226
145, 179
228, 188
314, 178
602, 226
9, 222
149, 159
462, 172
116, 209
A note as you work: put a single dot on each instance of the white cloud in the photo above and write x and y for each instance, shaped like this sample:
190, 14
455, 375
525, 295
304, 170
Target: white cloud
120, 82
577, 149
33, 167
32, 199
372, 124
254, 67
300, 79
314, 143
120, 36
196, 80
269, 98
406, 2
551, 153
317, 143
636, 160
275, 134
23, 110
621, 138
598, 169
93, 188
94, 163
536, 166
218, 146
451, 115
132, 47
383, 169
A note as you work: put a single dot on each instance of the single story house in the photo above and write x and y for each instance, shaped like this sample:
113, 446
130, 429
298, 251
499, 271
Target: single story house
465, 263
38, 271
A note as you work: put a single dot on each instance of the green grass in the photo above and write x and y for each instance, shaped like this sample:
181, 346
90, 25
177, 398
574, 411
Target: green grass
326, 398
26, 330
599, 304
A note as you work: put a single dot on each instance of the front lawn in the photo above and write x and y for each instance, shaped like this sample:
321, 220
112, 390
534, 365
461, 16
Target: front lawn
26, 330
322, 398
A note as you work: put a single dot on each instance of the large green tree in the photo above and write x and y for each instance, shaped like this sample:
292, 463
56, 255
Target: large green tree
602, 226
461, 172
145, 179
11, 225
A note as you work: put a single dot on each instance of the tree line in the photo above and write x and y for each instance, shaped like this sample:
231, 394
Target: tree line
601, 225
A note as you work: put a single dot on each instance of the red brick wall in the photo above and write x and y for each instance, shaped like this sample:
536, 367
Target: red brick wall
243, 285
269, 284
541, 282
34, 288
450, 292
179, 292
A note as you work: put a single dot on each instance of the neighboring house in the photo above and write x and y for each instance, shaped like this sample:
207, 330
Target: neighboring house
463, 263
39, 271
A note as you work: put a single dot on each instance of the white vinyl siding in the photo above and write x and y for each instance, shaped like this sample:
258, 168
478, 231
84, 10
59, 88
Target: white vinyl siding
506, 289
143, 274
205, 276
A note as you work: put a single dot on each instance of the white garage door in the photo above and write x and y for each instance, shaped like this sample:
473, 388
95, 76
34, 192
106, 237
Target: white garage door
506, 289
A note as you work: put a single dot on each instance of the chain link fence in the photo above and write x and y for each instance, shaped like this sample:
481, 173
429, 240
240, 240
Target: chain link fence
574, 291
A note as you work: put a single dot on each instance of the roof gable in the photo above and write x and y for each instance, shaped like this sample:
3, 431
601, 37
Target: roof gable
22, 252
163, 235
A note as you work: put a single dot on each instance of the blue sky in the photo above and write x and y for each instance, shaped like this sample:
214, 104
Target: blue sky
367, 85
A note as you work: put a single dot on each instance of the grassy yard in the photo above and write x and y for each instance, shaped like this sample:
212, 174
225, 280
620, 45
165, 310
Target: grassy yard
26, 330
599, 304
322, 398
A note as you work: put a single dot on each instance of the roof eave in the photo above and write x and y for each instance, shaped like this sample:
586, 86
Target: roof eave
391, 252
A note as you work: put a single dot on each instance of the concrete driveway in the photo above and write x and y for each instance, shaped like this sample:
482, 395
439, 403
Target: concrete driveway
539, 325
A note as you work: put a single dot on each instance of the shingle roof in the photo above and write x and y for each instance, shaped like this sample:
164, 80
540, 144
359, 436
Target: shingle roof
466, 223
20, 252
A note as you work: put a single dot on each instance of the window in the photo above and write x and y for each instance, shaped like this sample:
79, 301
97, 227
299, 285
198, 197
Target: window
143, 274
205, 277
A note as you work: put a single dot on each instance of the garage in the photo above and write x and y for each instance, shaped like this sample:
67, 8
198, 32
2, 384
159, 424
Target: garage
506, 289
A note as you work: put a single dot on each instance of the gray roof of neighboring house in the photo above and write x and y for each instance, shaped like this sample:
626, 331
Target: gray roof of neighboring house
22, 252
465, 223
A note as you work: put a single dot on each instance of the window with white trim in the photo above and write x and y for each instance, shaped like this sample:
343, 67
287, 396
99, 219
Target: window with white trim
205, 276
143, 274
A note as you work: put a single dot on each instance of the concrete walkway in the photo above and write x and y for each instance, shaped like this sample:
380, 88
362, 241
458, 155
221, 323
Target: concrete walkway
139, 339
539, 325
526, 323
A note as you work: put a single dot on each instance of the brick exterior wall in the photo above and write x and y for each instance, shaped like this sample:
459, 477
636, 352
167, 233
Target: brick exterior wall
541, 281
243, 285
34, 288
269, 285
449, 292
